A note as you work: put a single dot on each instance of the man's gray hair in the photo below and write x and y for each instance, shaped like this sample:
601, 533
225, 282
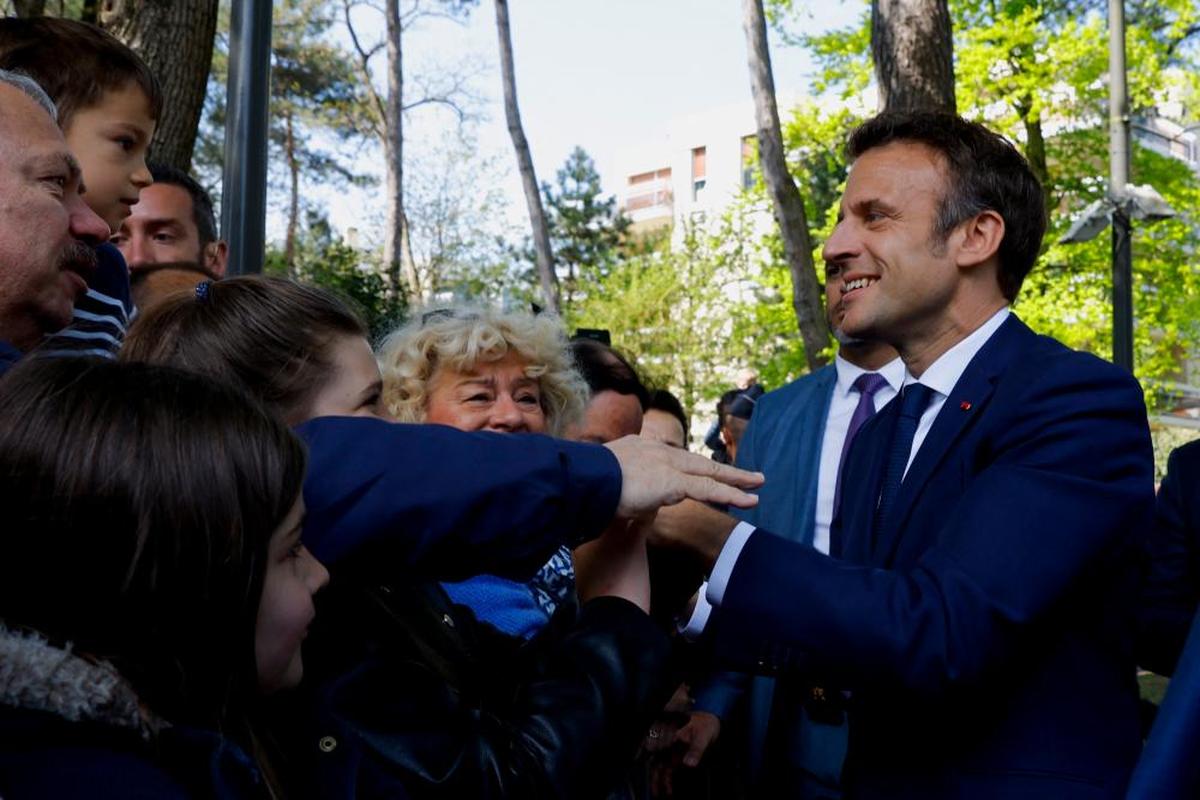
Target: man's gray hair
31, 88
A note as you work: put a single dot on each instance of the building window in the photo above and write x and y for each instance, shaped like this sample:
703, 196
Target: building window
749, 160
699, 171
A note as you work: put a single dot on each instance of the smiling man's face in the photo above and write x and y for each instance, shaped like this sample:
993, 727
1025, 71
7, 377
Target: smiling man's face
891, 277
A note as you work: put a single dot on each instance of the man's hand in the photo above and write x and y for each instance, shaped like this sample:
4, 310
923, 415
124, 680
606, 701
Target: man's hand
654, 475
687, 748
694, 738
693, 527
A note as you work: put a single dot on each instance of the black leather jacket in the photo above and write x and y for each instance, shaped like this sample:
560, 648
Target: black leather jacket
407, 695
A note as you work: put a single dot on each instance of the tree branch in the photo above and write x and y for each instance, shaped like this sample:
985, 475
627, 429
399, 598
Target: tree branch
364, 65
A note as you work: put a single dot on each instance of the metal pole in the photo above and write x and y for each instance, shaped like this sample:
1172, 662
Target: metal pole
1118, 177
244, 183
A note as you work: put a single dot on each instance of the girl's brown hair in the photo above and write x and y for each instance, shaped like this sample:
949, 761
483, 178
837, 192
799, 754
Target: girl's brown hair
138, 504
270, 336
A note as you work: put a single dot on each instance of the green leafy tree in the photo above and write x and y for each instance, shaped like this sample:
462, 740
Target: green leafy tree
323, 258
315, 92
586, 229
316, 111
674, 310
1036, 71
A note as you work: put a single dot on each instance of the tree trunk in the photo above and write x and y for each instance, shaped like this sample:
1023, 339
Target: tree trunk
1035, 150
176, 40
397, 251
785, 197
293, 224
533, 197
914, 54
29, 8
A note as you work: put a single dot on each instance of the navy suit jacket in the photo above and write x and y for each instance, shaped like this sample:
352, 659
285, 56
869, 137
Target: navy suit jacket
1172, 589
384, 500
783, 441
1169, 768
986, 633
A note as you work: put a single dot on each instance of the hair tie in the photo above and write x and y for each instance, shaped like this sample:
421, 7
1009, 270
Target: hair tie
202, 291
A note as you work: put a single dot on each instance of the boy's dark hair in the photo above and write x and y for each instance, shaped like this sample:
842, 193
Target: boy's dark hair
269, 336
983, 172
202, 205
138, 506
662, 400
76, 63
604, 369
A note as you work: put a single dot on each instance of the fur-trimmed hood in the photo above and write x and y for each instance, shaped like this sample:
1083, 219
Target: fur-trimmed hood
38, 676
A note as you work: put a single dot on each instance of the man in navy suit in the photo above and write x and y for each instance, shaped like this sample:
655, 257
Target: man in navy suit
796, 737
977, 604
1172, 591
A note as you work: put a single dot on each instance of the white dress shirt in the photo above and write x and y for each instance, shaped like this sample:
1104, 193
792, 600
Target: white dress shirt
940, 376
837, 424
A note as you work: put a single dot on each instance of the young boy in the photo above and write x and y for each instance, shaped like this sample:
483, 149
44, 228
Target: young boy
108, 104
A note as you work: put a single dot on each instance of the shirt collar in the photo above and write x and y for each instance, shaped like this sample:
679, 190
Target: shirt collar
942, 374
893, 372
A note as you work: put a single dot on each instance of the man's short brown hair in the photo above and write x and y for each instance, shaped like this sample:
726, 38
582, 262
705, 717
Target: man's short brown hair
76, 63
984, 171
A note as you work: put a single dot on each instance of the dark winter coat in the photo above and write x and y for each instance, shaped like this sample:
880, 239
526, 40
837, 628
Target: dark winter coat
73, 728
406, 695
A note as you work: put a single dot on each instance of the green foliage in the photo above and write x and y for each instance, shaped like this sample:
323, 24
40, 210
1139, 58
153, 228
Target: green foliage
325, 259
766, 328
1036, 70
586, 230
673, 311
316, 102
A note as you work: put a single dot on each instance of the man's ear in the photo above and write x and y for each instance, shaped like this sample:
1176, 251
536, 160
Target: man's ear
981, 237
726, 435
216, 255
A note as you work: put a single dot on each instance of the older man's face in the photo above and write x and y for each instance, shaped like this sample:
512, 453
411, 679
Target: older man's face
47, 233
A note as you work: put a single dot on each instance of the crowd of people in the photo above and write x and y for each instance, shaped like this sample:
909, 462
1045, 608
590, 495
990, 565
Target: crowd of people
249, 554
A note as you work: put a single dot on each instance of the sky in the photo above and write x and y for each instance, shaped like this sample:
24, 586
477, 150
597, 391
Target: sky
600, 75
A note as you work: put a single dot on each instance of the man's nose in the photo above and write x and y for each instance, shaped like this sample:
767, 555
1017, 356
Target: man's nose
842, 244
85, 224
133, 247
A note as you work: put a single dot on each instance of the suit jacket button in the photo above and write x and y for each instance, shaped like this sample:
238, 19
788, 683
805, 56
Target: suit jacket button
446, 618
327, 744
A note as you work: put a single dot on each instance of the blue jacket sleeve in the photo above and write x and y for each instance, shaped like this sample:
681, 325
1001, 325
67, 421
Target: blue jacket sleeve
720, 692
441, 503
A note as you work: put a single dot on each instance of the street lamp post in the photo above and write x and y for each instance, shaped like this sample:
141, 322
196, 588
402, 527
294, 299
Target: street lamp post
1118, 179
244, 180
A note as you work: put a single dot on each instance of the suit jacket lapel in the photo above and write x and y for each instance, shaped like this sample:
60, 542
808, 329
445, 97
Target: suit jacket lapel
810, 418
965, 403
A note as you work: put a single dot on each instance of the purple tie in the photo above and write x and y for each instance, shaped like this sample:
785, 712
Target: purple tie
866, 385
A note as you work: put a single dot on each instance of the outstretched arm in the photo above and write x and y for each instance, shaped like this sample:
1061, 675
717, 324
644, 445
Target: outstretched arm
438, 502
